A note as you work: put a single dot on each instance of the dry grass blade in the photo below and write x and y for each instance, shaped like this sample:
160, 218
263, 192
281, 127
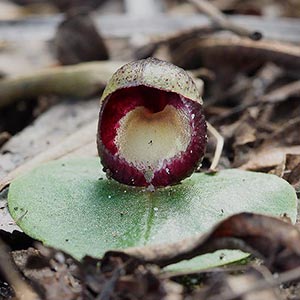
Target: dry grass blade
220, 143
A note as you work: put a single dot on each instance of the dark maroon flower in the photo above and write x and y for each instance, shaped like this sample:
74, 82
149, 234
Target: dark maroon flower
152, 130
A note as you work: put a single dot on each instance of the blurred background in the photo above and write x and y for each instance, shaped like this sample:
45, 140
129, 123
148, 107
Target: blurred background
29, 28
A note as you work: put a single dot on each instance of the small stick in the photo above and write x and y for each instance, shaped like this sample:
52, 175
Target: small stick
222, 21
77, 81
178, 37
219, 148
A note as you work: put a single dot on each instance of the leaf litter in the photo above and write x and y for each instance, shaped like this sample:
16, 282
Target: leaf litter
135, 273
254, 103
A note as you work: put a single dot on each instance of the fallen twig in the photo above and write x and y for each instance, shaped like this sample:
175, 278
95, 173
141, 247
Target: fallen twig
282, 93
147, 49
79, 81
222, 21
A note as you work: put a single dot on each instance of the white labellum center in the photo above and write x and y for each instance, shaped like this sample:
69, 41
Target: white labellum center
146, 139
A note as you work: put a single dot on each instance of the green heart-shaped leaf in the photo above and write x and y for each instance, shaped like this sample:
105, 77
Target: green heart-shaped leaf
72, 206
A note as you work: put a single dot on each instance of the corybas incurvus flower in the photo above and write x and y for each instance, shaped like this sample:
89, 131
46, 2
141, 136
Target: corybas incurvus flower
151, 130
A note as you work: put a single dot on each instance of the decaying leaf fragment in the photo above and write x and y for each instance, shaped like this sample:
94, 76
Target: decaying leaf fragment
274, 240
275, 146
77, 40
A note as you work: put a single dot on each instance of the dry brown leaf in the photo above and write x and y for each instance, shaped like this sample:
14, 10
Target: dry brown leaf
78, 40
292, 170
271, 153
235, 52
264, 158
245, 132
